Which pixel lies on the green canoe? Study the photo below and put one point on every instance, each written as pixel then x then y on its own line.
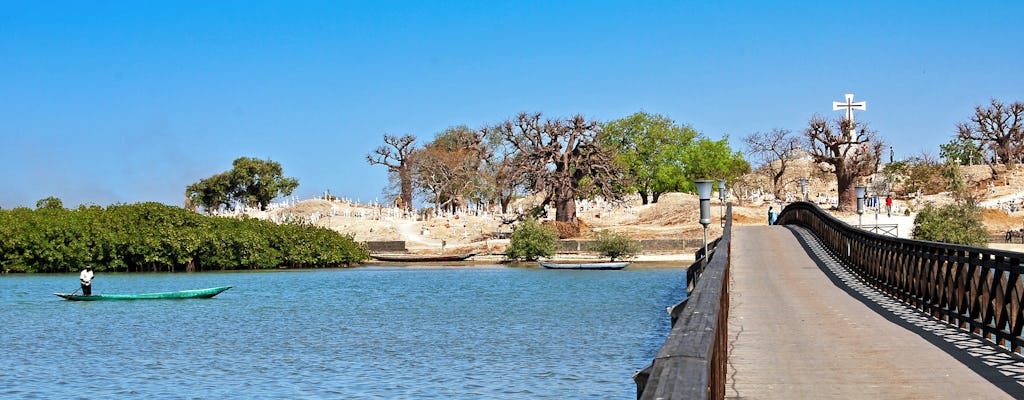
pixel 184 294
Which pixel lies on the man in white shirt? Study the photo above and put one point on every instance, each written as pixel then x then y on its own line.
pixel 86 278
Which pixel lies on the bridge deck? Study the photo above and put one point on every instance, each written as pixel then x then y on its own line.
pixel 798 330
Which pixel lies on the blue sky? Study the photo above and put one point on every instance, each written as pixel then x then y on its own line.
pixel 106 102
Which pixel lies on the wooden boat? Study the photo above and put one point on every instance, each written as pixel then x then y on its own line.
pixel 598 265
pixel 184 294
pixel 422 257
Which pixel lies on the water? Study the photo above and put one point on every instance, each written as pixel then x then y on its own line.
pixel 368 333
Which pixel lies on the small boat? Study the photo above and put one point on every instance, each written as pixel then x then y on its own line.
pixel 598 265
pixel 421 257
pixel 184 294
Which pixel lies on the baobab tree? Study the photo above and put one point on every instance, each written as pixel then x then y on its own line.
pixel 850 153
pixel 397 156
pixel 1000 127
pixel 558 156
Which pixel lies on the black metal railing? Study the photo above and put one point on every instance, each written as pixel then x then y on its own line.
pixel 975 289
pixel 692 362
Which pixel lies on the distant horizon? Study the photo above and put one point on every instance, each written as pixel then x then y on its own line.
pixel 126 102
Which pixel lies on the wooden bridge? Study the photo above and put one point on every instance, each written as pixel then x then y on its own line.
pixel 814 308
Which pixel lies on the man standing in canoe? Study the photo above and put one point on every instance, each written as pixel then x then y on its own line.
pixel 86 278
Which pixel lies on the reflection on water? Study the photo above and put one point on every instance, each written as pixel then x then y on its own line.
pixel 512 333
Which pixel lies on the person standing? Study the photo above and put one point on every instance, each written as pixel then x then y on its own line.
pixel 86 278
pixel 771 215
pixel 888 205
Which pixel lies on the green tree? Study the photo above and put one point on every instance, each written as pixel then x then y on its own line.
pixel 962 151
pixel 714 159
pixel 257 182
pixel 651 146
pixel 251 181
pixel 530 240
pixel 50 202
pixel 959 223
pixel 616 245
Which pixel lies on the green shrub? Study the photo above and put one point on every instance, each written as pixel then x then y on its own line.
pixel 531 240
pixel 158 237
pixel 958 223
pixel 616 245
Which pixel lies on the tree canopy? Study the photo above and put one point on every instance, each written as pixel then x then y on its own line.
pixel 251 182
pixel 396 155
pixel 846 147
pixel 652 148
pixel 998 126
pixel 774 149
pixel 561 158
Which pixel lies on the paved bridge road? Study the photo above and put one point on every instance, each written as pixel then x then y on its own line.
pixel 795 334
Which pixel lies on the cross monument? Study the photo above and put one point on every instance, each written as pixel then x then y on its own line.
pixel 849 105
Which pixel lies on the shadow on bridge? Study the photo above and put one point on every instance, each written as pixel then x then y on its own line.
pixel 964 301
pixel 998 366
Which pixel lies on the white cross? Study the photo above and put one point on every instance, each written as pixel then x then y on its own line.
pixel 849 105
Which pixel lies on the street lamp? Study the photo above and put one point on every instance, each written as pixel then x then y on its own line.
pixel 860 203
pixel 803 188
pixel 721 196
pixel 704 193
pixel 878 206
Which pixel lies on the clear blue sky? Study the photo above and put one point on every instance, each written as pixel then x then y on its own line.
pixel 106 102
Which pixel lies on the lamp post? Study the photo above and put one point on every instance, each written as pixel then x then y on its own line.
pixel 721 197
pixel 803 188
pixel 704 193
pixel 860 204
pixel 878 205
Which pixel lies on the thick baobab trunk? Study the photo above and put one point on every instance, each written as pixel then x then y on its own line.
pixel 565 210
pixel 846 181
pixel 405 176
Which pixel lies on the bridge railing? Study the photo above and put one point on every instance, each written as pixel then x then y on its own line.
pixel 692 362
pixel 975 289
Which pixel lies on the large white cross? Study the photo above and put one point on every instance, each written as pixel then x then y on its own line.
pixel 849 105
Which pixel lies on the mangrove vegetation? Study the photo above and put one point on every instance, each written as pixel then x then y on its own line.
pixel 157 237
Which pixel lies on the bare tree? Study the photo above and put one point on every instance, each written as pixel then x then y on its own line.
pixel 774 150
pixel 558 156
pixel 1000 127
pixel 503 182
pixel 849 152
pixel 448 168
pixel 396 155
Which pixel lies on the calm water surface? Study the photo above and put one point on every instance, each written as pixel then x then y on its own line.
pixel 367 333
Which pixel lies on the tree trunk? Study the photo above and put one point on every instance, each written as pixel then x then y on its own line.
pixel 565 210
pixel 504 201
pixel 405 176
pixel 657 195
pixel 643 197
pixel 846 181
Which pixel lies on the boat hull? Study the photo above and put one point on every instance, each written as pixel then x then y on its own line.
pixel 421 257
pixel 588 266
pixel 184 294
